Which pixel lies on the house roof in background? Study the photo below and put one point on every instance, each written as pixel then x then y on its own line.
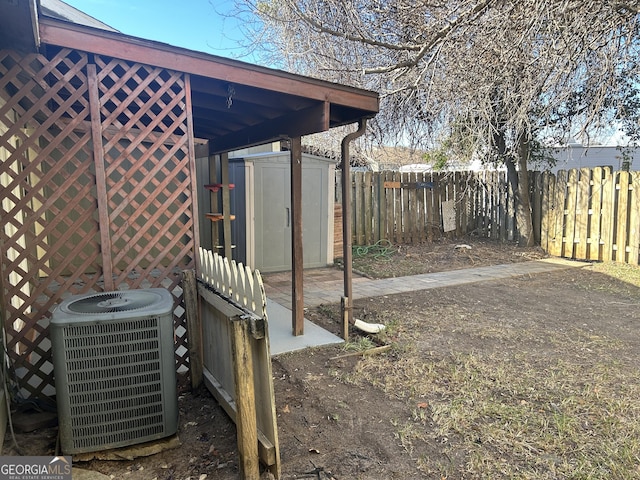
pixel 63 11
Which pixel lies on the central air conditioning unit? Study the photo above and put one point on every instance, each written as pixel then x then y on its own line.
pixel 115 371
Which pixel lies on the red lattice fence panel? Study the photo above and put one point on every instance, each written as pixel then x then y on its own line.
pixel 96 171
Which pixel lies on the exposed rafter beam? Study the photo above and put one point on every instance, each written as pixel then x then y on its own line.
pixel 304 122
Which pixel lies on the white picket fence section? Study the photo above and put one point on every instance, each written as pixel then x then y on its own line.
pixel 234 281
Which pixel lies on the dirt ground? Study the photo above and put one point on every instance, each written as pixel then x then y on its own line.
pixel 529 377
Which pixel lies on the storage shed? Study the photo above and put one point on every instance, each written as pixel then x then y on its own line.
pixel 261 208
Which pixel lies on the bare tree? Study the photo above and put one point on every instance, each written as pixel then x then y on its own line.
pixel 509 70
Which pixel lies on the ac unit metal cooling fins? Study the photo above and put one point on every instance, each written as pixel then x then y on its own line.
pixel 114 367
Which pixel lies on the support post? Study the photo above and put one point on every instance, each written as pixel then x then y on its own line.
pixel 297 295
pixel 344 301
pixel 214 205
pixel 226 204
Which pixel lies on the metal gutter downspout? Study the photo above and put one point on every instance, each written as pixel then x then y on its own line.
pixel 347 299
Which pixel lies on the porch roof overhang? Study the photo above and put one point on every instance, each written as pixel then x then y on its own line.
pixel 235 104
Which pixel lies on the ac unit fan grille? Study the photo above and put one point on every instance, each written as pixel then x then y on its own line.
pixel 150 380
pixel 112 302
pixel 112 363
pixel 87 399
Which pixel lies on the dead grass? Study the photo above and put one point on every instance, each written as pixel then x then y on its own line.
pixel 512 401
pixel 620 271
pixel 386 260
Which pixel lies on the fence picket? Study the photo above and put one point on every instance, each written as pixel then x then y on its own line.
pixel 375 208
pixel 622 217
pixel 459 202
pixel 536 204
pixel 412 203
pixel 367 192
pixel 548 187
pixel 570 214
pixel 358 208
pixel 634 220
pixel 390 205
pixel 582 213
pixel 397 208
pixel 501 202
pixel 434 207
pixel 234 281
pixel 595 208
pixel 608 195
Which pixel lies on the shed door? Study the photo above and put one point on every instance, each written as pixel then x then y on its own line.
pixel 273 217
pixel 273 214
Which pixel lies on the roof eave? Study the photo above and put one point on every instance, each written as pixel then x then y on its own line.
pixel 114 44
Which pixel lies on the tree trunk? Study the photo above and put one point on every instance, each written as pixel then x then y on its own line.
pixel 524 220
pixel 518 178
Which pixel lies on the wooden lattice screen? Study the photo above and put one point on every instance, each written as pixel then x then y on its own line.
pixel 79 219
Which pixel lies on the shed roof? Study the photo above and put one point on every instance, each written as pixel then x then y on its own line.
pixel 235 104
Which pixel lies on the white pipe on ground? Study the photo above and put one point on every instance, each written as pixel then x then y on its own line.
pixel 368 327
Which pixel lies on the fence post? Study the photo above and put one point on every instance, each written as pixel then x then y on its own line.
pixel 194 327
pixel 245 400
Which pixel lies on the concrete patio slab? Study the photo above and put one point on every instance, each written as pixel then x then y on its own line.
pixel 280 337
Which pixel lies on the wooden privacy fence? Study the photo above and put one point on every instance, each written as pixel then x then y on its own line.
pixel 587 214
pixel 590 214
pixel 235 357
pixel 409 208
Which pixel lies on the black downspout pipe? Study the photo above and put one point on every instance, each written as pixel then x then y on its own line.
pixel 347 300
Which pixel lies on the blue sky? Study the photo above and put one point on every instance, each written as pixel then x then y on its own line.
pixel 193 24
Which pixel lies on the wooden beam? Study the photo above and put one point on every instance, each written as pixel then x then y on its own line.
pixel 245 400
pixel 267 452
pixel 297 296
pixel 101 178
pixel 194 327
pixel 192 170
pixel 296 124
